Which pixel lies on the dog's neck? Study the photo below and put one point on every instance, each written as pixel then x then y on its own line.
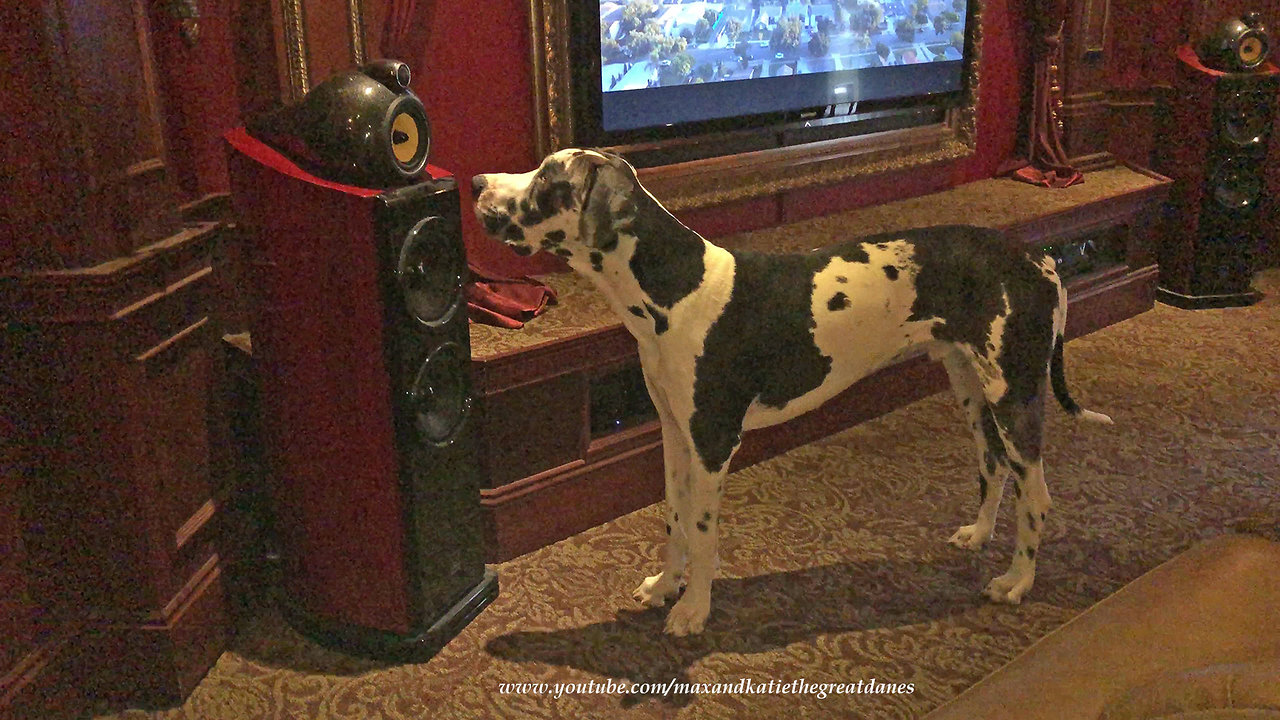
pixel 645 261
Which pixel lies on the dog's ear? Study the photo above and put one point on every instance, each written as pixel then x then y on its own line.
pixel 598 177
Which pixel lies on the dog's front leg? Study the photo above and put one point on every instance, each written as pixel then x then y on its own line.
pixel 656 589
pixel 700 520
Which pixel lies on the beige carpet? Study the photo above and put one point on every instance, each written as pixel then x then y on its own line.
pixel 834 562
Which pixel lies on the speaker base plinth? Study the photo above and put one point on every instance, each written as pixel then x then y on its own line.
pixel 1204 302
pixel 383 645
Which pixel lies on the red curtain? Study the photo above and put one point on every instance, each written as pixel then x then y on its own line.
pixel 404 32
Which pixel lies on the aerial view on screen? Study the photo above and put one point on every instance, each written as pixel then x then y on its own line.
pixel 662 43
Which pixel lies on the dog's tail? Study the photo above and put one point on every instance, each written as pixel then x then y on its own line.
pixel 1057 375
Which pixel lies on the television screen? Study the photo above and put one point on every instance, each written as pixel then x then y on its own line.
pixel 663 64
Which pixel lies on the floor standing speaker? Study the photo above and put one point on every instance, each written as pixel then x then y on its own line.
pixel 1214 141
pixel 360 335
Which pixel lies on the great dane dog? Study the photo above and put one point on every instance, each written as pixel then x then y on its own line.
pixel 730 341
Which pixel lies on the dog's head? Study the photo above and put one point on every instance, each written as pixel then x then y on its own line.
pixel 556 207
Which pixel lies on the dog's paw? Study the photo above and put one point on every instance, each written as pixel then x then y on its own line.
pixel 688 617
pixel 655 590
pixel 1009 588
pixel 970 537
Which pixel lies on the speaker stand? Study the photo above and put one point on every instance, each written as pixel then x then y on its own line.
pixel 383 645
pixel 1204 302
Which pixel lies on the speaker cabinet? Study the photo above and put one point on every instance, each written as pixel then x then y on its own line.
pixel 1215 133
pixel 361 339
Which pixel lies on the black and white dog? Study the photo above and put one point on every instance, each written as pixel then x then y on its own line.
pixel 731 341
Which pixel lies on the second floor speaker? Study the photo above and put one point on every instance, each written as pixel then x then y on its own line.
pixel 1214 141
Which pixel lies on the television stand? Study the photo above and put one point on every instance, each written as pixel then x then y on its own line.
pixel 566 436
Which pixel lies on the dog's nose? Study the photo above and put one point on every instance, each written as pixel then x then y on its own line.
pixel 477 184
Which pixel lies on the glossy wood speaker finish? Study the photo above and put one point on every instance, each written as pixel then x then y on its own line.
pixel 360 337
pixel 1216 131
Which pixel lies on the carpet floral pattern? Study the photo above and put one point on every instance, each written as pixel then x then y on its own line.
pixel 835 567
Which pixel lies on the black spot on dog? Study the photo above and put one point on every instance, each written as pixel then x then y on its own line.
pixel 852 252
pixel 891 272
pixel 608 242
pixel 882 246
pixel 493 224
pixel 668 528
pixel 522 250
pixel 636 311
pixel 842 279
pixel 660 323
pixel 760 349
pixel 555 236
pixel 966 402
pixel 1031 520
pixel 513 233
pixel 982 488
pixel 839 301
pixel 675 516
pixel 1041 517
pixel 702 525
pixel 706 516
pixel 667 261
pixel 597 261
pixel 1017 489
pixel 1031 553
pixel 511 206
pixel 565 253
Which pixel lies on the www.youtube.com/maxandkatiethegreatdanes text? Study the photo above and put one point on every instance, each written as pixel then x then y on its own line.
pixel 744 686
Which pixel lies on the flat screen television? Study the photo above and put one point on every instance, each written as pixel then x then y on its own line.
pixel 646 70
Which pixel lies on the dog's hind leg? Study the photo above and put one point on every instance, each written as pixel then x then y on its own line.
pixel 1021 426
pixel 656 589
pixel 993 464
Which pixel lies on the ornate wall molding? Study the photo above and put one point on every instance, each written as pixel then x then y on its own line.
pixel 355 26
pixel 295 48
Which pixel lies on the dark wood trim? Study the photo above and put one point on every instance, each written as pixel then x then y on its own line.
pixel 48 683
pixel 562 502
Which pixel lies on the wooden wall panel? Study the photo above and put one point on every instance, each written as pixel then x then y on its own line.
pixel 1084 82
pixel 199 94
pixel 82 135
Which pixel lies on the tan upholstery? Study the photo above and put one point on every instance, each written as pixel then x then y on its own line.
pixel 1146 652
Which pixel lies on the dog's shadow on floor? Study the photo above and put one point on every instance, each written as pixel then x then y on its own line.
pixel 752 615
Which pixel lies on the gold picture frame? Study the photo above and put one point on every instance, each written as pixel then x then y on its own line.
pixel 743 176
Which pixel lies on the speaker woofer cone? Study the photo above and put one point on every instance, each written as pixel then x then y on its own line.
pixel 1237 184
pixel 1246 118
pixel 439 397
pixel 430 273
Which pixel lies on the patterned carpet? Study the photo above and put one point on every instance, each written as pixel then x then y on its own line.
pixel 834 562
